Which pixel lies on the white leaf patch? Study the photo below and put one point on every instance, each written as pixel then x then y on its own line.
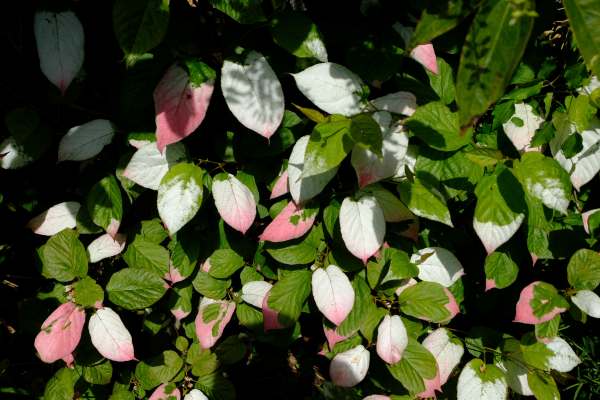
pixel 254 292
pixel 349 368
pixel 439 265
pixel 588 302
pixel 472 386
pixel 521 136
pixel 493 235
pixel 564 358
pixel 12 156
pixel 148 166
pixel 333 293
pixel 363 226
pixel 447 352
pixel 59 38
pixel 551 192
pixel 392 339
pixel 55 219
pixel 305 188
pixel 253 94
pixel 195 394
pixel 516 376
pixel 85 141
pixel 234 201
pixel 105 246
pixel 404 103
pixel 331 87
pixel 109 335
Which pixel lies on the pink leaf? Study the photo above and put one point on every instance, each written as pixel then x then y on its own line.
pixel 425 55
pixel 209 331
pixel 281 186
pixel 452 305
pixel 431 386
pixel 291 223
pixel 159 393
pixel 490 284
pixel 332 336
pixel 179 314
pixel 270 316
pixel 179 106
pixel 60 333
pixel 585 218
pixel 524 309
pixel 173 275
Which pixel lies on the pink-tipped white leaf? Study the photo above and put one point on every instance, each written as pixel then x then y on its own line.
pixel 588 302
pixel 392 339
pixel 195 394
pixel 482 382
pixel 431 386
pixel 303 188
pixel 521 127
pixel 585 217
pixel 369 166
pixel 148 165
pixel 55 219
pixel 213 316
pixel 60 333
pixel 446 350
pixel 525 307
pixel 424 54
pixel 333 293
pixel 493 235
pixel 291 223
pixel 281 186
pixel 255 292
pixel 349 368
pixel 564 358
pixel 404 103
pixel 452 305
pixel 253 94
pixel 437 264
pixel 234 201
pixel 59 38
pixel 180 106
pixel 109 336
pixel 363 226
pixel 85 141
pixel 270 316
pixel 160 393
pixel 105 246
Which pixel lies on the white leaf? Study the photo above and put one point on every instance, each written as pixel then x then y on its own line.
pixel 148 166
pixel 392 339
pixel 398 103
pixel 472 386
pixel 349 368
pixel 302 188
pixel 521 136
pixel 363 226
pixel 564 358
pixel 516 376
pixel 588 302
pixel 85 141
pixel 254 292
pixel 331 87
pixel 59 38
pixel 105 246
pixel 253 94
pixel 12 156
pixel 333 293
pixel 234 201
pixel 317 48
pixel 55 219
pixel 590 87
pixel 109 335
pixel 437 264
pixel 195 394
pixel 493 235
pixel 447 352
pixel 368 166
pixel 585 217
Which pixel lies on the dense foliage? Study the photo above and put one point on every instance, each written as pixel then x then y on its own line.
pixel 300 199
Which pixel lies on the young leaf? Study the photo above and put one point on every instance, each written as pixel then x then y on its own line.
pixel 392 339
pixel 105 205
pixel 424 54
pixel 253 94
pixel 332 293
pixel 55 219
pixel 60 333
pixel 521 134
pixel 439 265
pixel 148 165
pixel 539 302
pixel 106 246
pixel 481 381
pixel 234 201
pixel 109 335
pixel 59 39
pixel 255 292
pixel 213 316
pixel 291 223
pixel 85 141
pixel 349 368
pixel 363 226
pixel 447 351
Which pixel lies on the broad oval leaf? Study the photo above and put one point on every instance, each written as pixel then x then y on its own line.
pixel 234 201
pixel 521 127
pixel 180 103
pixel 363 226
pixel 213 316
pixel 179 195
pixel 564 358
pixel 392 339
pixel 333 293
pixel 106 246
pixel 350 367
pixel 255 292
pixel 481 381
pixel 55 219
pixel 85 141
pixel 135 288
pixel 253 94
pixel 109 336
pixel 59 38
pixel 439 265
pixel 148 165
pixel 331 87
pixel 539 302
pixel 447 351
pixel 60 333
pixel 588 302
pixel 291 223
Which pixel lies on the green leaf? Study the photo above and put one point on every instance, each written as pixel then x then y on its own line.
pixel 299 251
pixel 546 299
pixel 583 271
pixel 416 365
pixel 373 316
pixel 87 293
pixel 61 386
pixel 149 256
pixel 437 20
pixel 442 83
pixel 104 203
pixel 134 288
pixel 224 262
pixel 399 266
pixel 243 11
pixel 25 126
pixel 199 72
pixel 98 373
pixel 153 231
pixel 423 202
pixel 362 303
pixel 500 269
pixel 483 157
pixel 538 229
pixel 249 317
pixel 140 25
pixel 580 111
pixel 366 133
pixel 289 294
pixel 296 33
pixel 492 50
pixel 231 350
pixel 329 143
pixel 185 252
pixel 159 369
pixel 543 386
pixel 216 386
pixel 584 20
pixel 211 287
pixel 64 257
pixel 437 126
pixel 548 329
pixel 425 300
pixel 203 361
